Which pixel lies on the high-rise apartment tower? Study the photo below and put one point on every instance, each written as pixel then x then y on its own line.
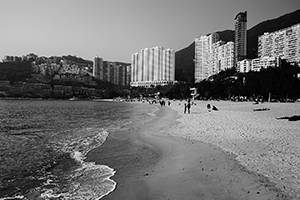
pixel 153 66
pixel 240 36
pixel 203 55
pixel 97 67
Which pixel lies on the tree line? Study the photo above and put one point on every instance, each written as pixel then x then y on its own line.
pixel 270 84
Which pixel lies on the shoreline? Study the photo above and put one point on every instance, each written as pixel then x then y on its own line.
pixel 172 167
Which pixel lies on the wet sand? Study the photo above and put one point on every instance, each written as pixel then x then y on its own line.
pixel 161 159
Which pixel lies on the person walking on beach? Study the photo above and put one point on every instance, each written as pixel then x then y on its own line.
pixel 188 105
pixel 185 107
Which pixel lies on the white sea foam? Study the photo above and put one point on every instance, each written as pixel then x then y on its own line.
pixel 89 181
pixel 78 156
pixel 13 198
pixel 93 138
pixel 72 129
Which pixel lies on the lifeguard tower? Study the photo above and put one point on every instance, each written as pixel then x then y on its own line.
pixel 194 93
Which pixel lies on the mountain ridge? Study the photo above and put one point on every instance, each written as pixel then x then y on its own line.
pixel 184 58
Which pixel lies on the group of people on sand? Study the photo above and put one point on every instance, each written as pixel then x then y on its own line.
pixel 163 103
pixel 188 105
pixel 209 108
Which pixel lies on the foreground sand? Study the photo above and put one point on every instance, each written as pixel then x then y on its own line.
pixel 167 158
pixel 262 143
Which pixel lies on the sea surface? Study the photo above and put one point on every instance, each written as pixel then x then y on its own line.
pixel 43 144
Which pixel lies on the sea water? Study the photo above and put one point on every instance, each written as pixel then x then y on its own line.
pixel 43 145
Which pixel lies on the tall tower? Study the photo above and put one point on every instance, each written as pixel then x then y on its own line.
pixel 240 34
pixel 98 67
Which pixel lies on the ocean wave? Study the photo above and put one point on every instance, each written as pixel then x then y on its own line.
pixel 84 180
pixel 82 140
pixel 89 180
pixel 44 144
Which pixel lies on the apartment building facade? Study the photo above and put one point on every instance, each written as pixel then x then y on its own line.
pixel 114 72
pixel 203 56
pixel 223 56
pixel 257 64
pixel 98 67
pixel 152 67
pixel 244 66
pixel 212 56
pixel 284 43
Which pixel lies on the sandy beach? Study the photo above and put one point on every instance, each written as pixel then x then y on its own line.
pixel 262 142
pixel 230 154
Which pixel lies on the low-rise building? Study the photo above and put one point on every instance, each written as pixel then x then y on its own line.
pixel 258 63
pixel 244 66
pixel 148 84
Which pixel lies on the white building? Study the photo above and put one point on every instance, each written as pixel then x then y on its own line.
pixel 244 66
pixel 152 66
pixel 284 43
pixel 258 63
pixel 212 56
pixel 224 56
pixel 203 56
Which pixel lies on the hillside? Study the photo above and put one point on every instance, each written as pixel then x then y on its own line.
pixel 15 71
pixel 184 64
pixel 76 59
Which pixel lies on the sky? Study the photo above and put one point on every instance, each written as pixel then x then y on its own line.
pixel 115 29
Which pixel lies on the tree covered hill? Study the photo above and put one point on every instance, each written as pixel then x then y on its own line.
pixel 15 71
pixel 76 59
pixel 184 64
pixel 184 58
